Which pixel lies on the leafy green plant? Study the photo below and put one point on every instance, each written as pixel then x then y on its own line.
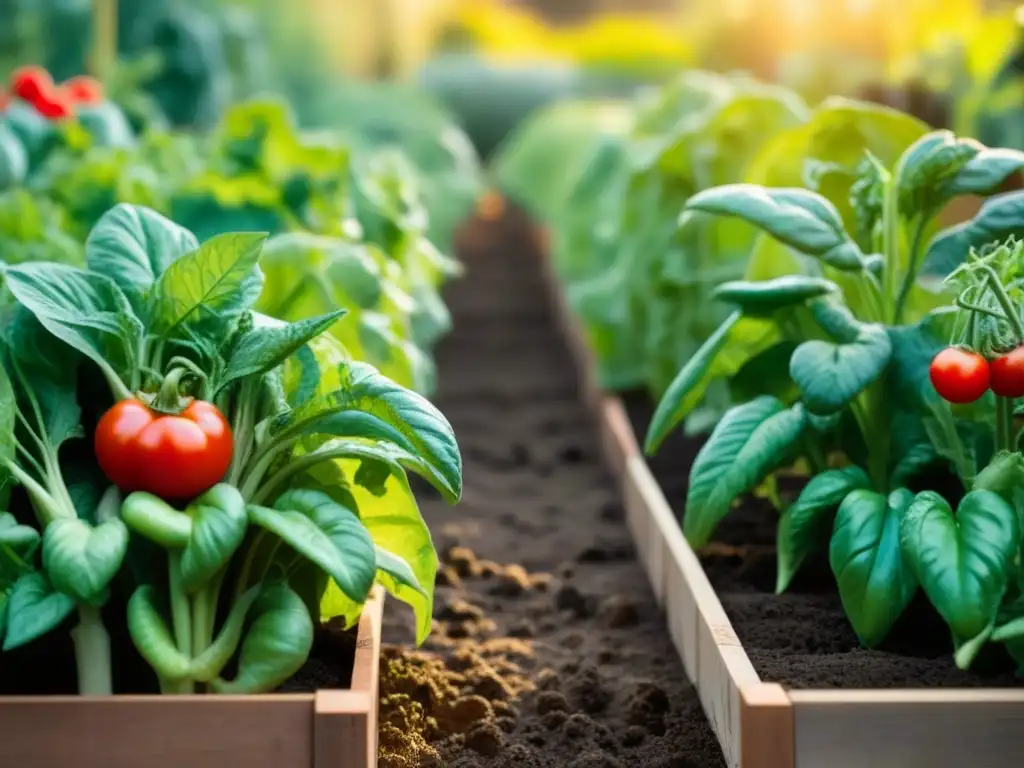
pixel 314 509
pixel 852 320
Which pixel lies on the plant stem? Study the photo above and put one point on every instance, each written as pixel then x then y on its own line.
pixel 92 653
pixel 996 286
pixel 1004 424
pixel 909 278
pixel 181 612
pixel 168 399
pixel 890 237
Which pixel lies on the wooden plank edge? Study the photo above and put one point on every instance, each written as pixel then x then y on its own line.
pixel 906 696
pixel 767 730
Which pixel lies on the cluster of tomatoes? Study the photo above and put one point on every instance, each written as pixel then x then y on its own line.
pixel 34 86
pixel 962 376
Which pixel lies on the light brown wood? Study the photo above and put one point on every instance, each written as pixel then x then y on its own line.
pixel 908 729
pixel 766 727
pixel 329 729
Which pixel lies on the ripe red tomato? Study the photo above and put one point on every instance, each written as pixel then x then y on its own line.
pixel 959 375
pixel 30 82
pixel 1007 373
pixel 53 105
pixel 174 457
pixel 83 89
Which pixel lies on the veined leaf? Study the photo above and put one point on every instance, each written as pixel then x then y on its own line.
pixel 219 524
pixel 830 375
pixel 750 441
pixel 134 245
pixel 34 608
pixel 875 583
pixel 1000 217
pixel 81 560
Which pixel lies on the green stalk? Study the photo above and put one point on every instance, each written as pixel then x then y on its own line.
pixel 1004 424
pixel 908 279
pixel 890 237
pixel 181 613
pixel 92 653
pixel 1012 316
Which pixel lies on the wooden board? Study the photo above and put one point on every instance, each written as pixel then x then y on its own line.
pixel 329 729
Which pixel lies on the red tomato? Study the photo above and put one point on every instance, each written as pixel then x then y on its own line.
pixel 54 105
pixel 174 457
pixel 30 82
pixel 1007 374
pixel 83 89
pixel 959 375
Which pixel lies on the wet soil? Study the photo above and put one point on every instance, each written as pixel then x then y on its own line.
pixel 802 638
pixel 548 648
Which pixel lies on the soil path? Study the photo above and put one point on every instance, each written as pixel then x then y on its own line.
pixel 549 650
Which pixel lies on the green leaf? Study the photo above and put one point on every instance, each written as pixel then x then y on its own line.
pixel 398 570
pixel 768 296
pixel 875 583
pixel 8 413
pixel 219 523
pixel 676 403
pixel 16 539
pixel 152 637
pixel 425 428
pixel 984 173
pixel 803 220
pixel 395 524
pixel 218 281
pixel 86 311
pixel 277 644
pixel 805 525
pixel 267 347
pixel 325 532
pixel 964 561
pixel 1000 217
pixel 830 375
pixel 157 520
pixel 750 441
pixel 927 166
pixel 134 245
pixel 81 560
pixel 33 609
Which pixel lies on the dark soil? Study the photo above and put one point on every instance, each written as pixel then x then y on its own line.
pixel 548 649
pixel 802 638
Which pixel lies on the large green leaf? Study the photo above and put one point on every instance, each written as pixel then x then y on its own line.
pixel 134 245
pixel 17 543
pixel 801 219
pixel 1000 217
pixel 218 281
pixel 81 560
pixel 750 441
pixel 424 427
pixel 34 608
pixel 963 561
pixel 326 533
pixel 277 643
pixel 875 581
pixel 805 524
pixel 83 309
pixel 830 375
pixel 768 296
pixel 396 526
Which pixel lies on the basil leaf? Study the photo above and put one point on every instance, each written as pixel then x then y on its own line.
pixel 750 441
pixel 830 375
pixel 216 282
pixel 875 583
pixel 219 523
pixel 266 347
pixel 277 644
pixel 152 637
pixel 33 609
pixel 963 561
pixel 803 220
pixel 766 297
pixel 1000 217
pixel 133 246
pixel 81 560
pixel 805 523
pixel 325 532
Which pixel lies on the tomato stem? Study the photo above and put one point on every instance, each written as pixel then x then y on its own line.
pixel 168 398
pixel 92 653
pixel 181 612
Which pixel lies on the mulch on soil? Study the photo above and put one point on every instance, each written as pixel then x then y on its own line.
pixel 548 649
pixel 802 637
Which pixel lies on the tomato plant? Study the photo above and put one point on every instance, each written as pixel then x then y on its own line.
pixel 1007 374
pixel 959 375
pixel 83 89
pixel 29 83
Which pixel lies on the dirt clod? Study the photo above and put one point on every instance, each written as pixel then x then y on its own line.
pixel 513 582
pixel 569 598
pixel 485 738
pixel 618 611
pixel 590 691
pixel 551 701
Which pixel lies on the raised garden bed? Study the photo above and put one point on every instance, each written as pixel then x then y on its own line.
pixel 325 729
pixel 772 709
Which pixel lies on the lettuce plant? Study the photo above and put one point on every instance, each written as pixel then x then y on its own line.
pixel 314 510
pixel 854 321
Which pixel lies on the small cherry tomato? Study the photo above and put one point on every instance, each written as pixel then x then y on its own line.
pixel 30 82
pixel 1007 373
pixel 54 105
pixel 174 457
pixel 959 375
pixel 83 89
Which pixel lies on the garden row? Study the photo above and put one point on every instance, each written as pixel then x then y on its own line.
pixel 215 354
pixel 826 377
